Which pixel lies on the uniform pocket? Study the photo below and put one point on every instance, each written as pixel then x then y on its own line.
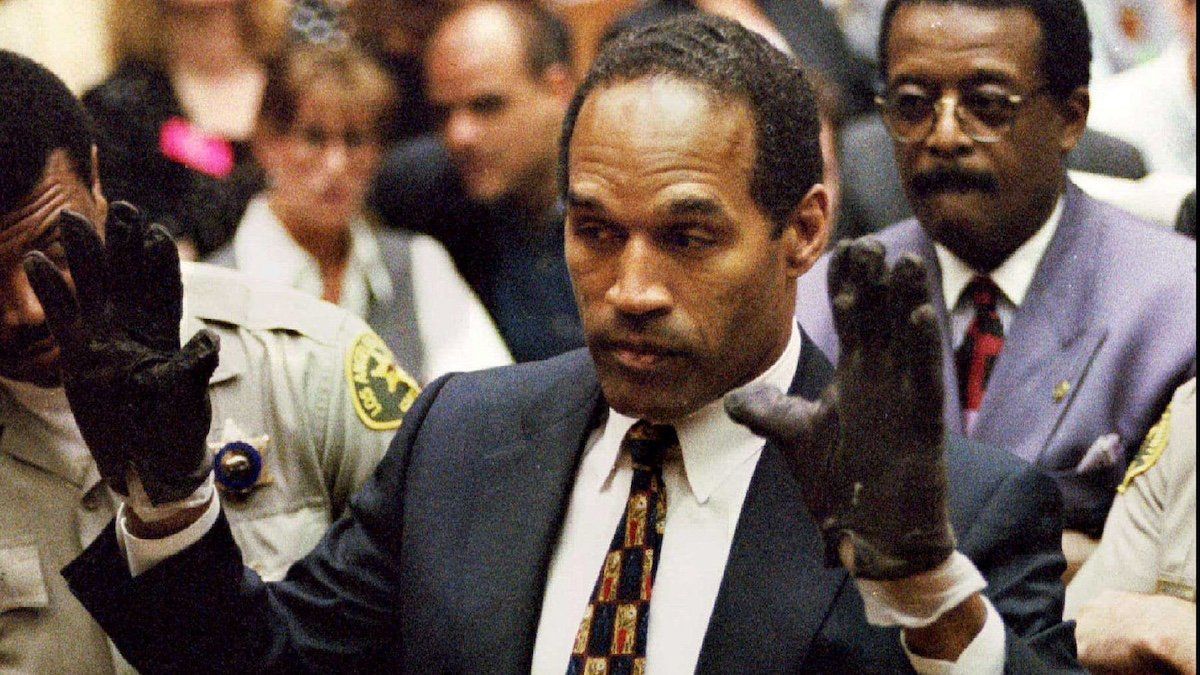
pixel 22 585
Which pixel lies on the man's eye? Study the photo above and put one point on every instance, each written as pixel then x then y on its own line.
pixel 487 105
pixel 690 239
pixel 596 231
pixel 313 136
pixel 912 105
pixel 990 106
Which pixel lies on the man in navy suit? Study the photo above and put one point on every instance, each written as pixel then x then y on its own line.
pixel 1066 323
pixel 857 539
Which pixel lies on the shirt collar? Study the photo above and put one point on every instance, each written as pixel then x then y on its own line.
pixel 263 248
pixel 713 445
pixel 1013 276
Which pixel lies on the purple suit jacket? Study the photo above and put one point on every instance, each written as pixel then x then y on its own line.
pixel 1111 312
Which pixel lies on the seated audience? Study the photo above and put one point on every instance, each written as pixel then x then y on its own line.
pixel 498 73
pixel 1134 601
pixel 175 117
pixel 319 140
pixel 1066 322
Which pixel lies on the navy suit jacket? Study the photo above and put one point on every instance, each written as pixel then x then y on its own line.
pixel 441 563
pixel 1111 312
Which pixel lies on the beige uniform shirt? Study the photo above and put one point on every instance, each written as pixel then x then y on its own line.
pixel 1149 541
pixel 304 382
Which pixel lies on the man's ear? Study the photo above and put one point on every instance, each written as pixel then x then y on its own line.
pixel 806 233
pixel 1075 114
pixel 559 81
pixel 97 192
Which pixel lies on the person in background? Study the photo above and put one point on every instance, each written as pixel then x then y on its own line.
pixel 1066 323
pixel 395 32
pixel 1153 105
pixel 304 402
pixel 174 119
pixel 498 73
pixel 319 140
pixel 1134 601
pixel 805 28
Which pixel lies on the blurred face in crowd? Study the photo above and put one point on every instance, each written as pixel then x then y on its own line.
pixel 500 122
pixel 320 167
pixel 28 353
pixel 981 200
pixel 685 287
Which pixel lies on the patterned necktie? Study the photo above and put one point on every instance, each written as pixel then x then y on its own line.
pixel 612 636
pixel 980 349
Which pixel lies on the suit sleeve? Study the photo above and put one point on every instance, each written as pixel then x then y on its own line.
pixel 203 611
pixel 1017 544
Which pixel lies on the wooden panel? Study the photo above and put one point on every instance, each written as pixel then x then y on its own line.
pixel 589 19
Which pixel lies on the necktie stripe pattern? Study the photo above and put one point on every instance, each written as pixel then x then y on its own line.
pixel 977 356
pixel 612 635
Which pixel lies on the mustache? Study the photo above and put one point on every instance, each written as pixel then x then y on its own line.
pixel 954 180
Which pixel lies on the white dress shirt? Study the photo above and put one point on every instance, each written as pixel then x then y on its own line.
pixel 1013 278
pixel 706 486
pixel 456 330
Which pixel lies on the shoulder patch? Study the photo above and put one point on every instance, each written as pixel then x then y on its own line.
pixel 380 390
pixel 1151 450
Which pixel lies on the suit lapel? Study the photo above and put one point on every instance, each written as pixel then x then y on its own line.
pixel 1051 342
pixel 524 489
pixel 776 593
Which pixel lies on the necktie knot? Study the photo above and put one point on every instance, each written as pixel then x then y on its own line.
pixel 648 443
pixel 983 293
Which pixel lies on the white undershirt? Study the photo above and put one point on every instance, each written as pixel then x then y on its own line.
pixel 1013 277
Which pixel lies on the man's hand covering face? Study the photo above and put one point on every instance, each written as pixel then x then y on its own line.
pixel 869 455
pixel 140 401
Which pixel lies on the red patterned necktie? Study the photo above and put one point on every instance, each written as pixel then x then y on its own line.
pixel 612 636
pixel 980 349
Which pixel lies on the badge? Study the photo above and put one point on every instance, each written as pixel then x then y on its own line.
pixel 239 466
pixel 1152 449
pixel 380 390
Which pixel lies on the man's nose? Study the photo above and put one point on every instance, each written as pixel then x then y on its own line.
pixel 639 288
pixel 19 305
pixel 461 131
pixel 336 156
pixel 947 138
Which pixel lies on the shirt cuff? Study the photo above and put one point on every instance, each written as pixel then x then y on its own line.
pixel 143 554
pixel 985 654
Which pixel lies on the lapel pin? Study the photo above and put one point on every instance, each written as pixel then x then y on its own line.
pixel 1061 391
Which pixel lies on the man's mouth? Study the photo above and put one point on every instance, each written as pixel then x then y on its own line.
pixel 640 356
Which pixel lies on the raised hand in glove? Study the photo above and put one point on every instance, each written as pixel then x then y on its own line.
pixel 869 455
pixel 141 402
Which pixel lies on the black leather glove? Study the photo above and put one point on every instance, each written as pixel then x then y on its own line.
pixel 869 456
pixel 139 400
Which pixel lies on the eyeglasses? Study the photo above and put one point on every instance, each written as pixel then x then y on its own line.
pixel 984 112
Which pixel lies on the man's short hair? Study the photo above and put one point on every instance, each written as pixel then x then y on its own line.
pixel 1066 43
pixel 545 38
pixel 38 115
pixel 732 64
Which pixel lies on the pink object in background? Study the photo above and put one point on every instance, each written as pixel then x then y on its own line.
pixel 183 142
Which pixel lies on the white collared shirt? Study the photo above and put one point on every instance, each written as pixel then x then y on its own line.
pixel 706 487
pixel 1013 277
pixel 264 249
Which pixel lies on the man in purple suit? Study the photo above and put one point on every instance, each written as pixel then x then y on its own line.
pixel 1066 323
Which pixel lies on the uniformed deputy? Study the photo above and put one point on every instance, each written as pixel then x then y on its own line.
pixel 305 398
pixel 1135 598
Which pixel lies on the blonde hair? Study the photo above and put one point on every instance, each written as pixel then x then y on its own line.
pixel 137 32
pixel 304 69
